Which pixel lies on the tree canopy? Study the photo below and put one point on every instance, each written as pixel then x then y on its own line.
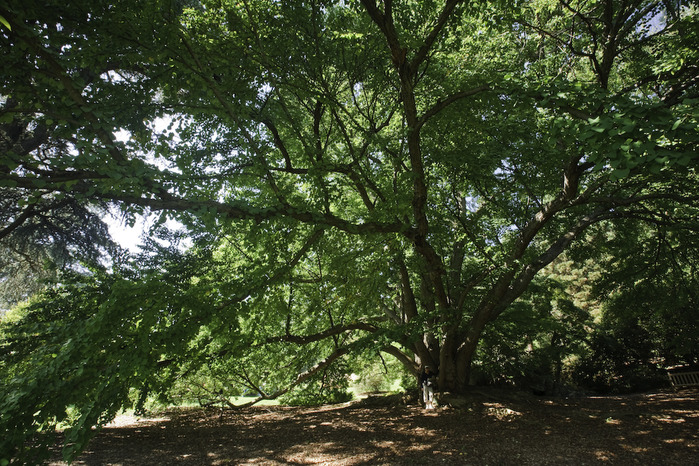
pixel 389 177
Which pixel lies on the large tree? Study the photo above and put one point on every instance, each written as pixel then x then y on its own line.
pixel 357 174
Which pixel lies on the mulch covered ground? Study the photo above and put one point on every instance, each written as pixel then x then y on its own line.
pixel 486 428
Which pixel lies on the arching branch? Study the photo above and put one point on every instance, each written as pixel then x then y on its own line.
pixel 302 377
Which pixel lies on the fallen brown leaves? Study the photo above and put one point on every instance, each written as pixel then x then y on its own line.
pixel 487 427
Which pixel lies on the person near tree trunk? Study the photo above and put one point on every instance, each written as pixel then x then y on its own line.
pixel 428 381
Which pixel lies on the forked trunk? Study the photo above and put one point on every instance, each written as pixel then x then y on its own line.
pixel 456 356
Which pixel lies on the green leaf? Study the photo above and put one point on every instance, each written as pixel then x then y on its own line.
pixel 5 23
pixel 684 160
pixel 292 108
pixel 621 173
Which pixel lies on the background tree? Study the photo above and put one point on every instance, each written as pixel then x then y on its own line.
pixel 356 176
pixel 41 231
pixel 649 305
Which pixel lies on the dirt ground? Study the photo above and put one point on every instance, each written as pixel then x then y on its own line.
pixel 486 428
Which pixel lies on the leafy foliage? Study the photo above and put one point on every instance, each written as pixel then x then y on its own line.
pixel 649 318
pixel 357 177
pixel 84 343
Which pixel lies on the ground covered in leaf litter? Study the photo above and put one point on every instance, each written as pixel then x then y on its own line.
pixel 487 427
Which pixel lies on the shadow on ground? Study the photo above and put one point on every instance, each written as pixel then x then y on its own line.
pixel 494 427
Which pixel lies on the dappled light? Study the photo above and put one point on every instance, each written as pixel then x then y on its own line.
pixel 501 412
pixel 343 197
pixel 494 427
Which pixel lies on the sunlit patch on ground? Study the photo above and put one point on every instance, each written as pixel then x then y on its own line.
pixel 602 455
pixel 498 427
pixel 123 420
pixel 501 412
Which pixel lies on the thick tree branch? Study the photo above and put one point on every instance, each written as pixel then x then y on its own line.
pixel 26 214
pixel 442 104
pixel 424 50
pixel 331 332
pixel 407 361
pixel 406 74
pixel 233 210
pixel 302 377
pixel 520 284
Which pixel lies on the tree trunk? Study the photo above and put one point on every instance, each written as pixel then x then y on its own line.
pixel 457 353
